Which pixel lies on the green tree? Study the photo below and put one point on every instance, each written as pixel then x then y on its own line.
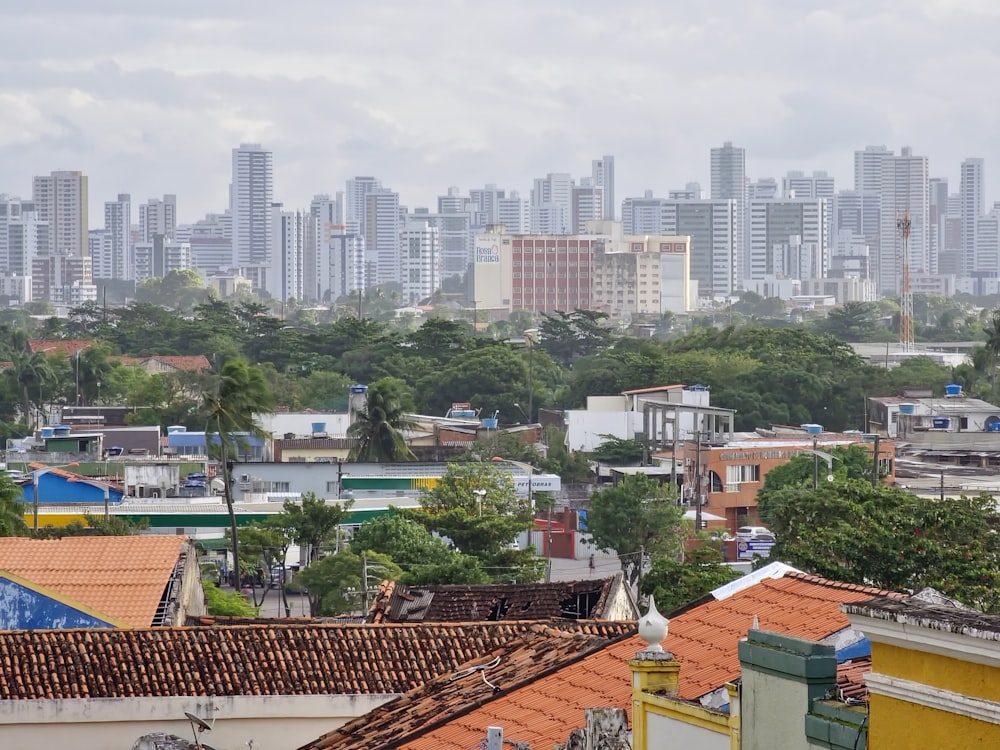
pixel 337 584
pixel 992 330
pixel 11 508
pixel 674 584
pixel 267 544
pixel 852 321
pixel 476 508
pixel 618 451
pixel 239 392
pixel 637 516
pixel 567 336
pixel 379 426
pixel 178 290
pixel 312 523
pixel 226 603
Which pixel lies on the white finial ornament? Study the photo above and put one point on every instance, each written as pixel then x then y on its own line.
pixel 653 628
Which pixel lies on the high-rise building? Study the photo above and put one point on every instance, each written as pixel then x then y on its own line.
pixel 788 238
pixel 341 269
pixel 602 172
pixel 63 279
pixel 158 216
pixel 713 228
pixel 642 275
pixel 513 214
pixel 486 205
pixel 987 255
pixel 453 223
pixel 904 190
pixel 61 200
pixel 729 182
pixel 160 256
pixel 324 212
pixel 251 196
pixel 23 236
pixel 421 262
pixel 284 277
pixel 938 208
pixel 764 189
pixel 356 201
pixel 973 207
pixel 644 215
pixel 800 185
pixel 552 204
pixel 587 205
pixel 381 233
pixel 116 262
pixel 211 243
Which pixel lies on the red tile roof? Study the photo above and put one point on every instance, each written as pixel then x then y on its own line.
pixel 122 577
pixel 515 671
pixel 851 687
pixel 195 363
pixel 273 659
pixel 62 347
pixel 704 639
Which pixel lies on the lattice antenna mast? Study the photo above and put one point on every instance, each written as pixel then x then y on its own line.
pixel 905 295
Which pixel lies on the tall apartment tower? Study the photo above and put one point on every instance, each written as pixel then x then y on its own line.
pixel 552 204
pixel 789 238
pixel 645 215
pixel 602 172
pixel 973 206
pixel 251 196
pixel 382 226
pixel 115 261
pixel 356 200
pixel 938 207
pixel 587 204
pixel 486 205
pixel 23 236
pixel 729 182
pixel 513 213
pixel 801 185
pixel 712 227
pixel 158 216
pixel 904 190
pixel 421 260
pixel 284 277
pixel 61 200
pixel 325 214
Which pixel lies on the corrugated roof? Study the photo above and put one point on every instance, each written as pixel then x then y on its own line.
pixel 273 659
pixel 123 577
pixel 654 389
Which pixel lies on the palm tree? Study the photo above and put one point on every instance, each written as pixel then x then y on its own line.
pixel 11 511
pixel 992 329
pixel 239 392
pixel 378 427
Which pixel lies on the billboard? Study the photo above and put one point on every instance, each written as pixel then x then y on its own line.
pixel 487 252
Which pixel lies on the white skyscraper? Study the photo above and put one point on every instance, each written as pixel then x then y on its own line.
pixel 158 217
pixel 587 204
pixel 284 277
pixel 904 190
pixel 712 227
pixel 356 200
pixel 117 263
pixel 801 185
pixel 552 204
pixel 603 175
pixel 973 207
pixel 513 213
pixel 453 222
pixel 644 215
pixel 341 263
pixel 325 213
pixel 61 200
pixel 987 255
pixel 382 231
pixel 421 261
pixel 23 236
pixel 250 205
pixel 729 182
pixel 788 238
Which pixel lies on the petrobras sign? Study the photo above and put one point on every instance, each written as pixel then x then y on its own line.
pixel 487 252
pixel 539 483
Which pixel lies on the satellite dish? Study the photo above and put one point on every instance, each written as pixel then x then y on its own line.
pixel 203 726
pixel 829 477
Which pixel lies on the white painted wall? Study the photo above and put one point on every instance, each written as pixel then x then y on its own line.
pixel 116 723
pixel 773 710
pixel 301 423
pixel 663 733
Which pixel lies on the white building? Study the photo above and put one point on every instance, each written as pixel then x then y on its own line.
pixel 973 207
pixel 421 261
pixel 284 276
pixel 602 172
pixel 158 216
pixel 381 230
pixel 160 257
pixel 356 200
pixel 644 215
pixel 17 289
pixel 764 189
pixel 729 182
pixel 642 275
pixel 211 243
pixel 513 214
pixel 99 246
pixel 324 212
pixel 251 196
pixel 844 289
pixel 116 263
pixel 713 228
pixel 552 204
pixel 23 236
pixel 800 185
pixel 987 247
pixel 61 199
pixel 788 238
pixel 341 263
pixel 904 190
pixel 856 219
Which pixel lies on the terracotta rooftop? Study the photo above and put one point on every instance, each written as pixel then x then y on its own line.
pixel 574 600
pixel 253 659
pixel 542 711
pixel 851 687
pixel 490 679
pixel 195 363
pixel 62 347
pixel 123 577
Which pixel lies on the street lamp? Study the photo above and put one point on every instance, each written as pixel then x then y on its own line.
pixel 36 475
pixel 480 494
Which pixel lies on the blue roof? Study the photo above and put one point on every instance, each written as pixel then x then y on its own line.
pixel 197 439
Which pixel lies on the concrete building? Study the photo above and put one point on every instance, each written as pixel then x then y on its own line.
pixel 602 172
pixel 552 204
pixel 158 216
pixel 764 189
pixel 381 230
pixel 904 190
pixel 514 214
pixel 117 262
pixel 643 215
pixel 324 212
pixel 63 280
pixel 541 273
pixel 16 289
pixel 250 199
pixel 61 200
pixel 284 275
pixel 850 288
pixel 160 257
pixel 643 275
pixel 356 201
pixel 856 220
pixel 341 263
pixel 714 229
pixel 800 185
pixel 936 422
pixel 421 262
pixel 587 205
pixel 788 238
pixel 937 192
pixel 973 207
pixel 987 244
pixel 23 236
pixel 729 182
pixel 211 243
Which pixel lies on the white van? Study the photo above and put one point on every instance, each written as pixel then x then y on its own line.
pixel 754 532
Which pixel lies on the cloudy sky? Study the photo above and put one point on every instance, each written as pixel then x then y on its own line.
pixel 150 98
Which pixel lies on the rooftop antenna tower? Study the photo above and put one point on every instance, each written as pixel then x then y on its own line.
pixel 905 295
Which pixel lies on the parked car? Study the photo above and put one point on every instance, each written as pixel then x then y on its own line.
pixel 755 533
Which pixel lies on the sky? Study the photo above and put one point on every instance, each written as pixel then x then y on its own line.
pixel 150 98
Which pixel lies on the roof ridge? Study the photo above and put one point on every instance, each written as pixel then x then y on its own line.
pixel 830 583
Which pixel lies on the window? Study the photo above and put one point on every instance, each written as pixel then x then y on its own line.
pixel 332 486
pixel 742 474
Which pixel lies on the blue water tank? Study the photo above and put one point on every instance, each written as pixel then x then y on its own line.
pixel 953 389
pixel 462 413
pixel 359 389
pixel 941 423
pixel 48 432
pixel 812 429
pixel 697 387
pixel 907 408
pixel 318 427
pixel 62 430
pixel 489 423
pixel 992 427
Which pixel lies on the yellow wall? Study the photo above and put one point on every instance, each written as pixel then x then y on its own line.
pixel 901 725
pixel 967 678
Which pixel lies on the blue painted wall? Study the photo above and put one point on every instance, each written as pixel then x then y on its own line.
pixel 53 488
pixel 23 608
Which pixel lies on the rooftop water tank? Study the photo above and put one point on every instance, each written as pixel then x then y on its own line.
pixel 907 408
pixel 697 387
pixel 941 423
pixel 953 389
pixel 318 427
pixel 176 428
pixel 489 423
pixel 812 429
pixel 462 414
pixel 62 430
pixel 359 388
pixel 48 432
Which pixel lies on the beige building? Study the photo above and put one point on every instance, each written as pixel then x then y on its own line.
pixel 61 199
pixel 643 275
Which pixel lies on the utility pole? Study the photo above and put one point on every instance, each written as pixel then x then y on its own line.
pixel 364 583
pixel 815 465
pixel 875 472
pixel 697 493
pixel 903 224
pixel 942 485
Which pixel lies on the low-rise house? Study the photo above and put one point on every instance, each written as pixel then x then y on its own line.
pixel 118 581
pixel 600 599
pixel 280 685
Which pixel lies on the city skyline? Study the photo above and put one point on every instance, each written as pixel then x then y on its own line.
pixel 155 98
